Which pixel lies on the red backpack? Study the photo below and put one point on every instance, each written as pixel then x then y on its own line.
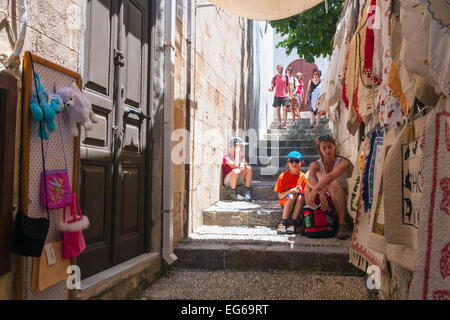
pixel 318 223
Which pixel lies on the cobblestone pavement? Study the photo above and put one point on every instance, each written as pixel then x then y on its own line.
pixel 254 285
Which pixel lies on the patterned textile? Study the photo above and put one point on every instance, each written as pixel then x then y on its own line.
pixel 377 241
pixel 354 184
pixel 440 11
pixel 369 43
pixel 390 109
pixel 352 67
pixel 402 188
pixel 361 256
pixel 332 85
pixel 415 22
pixel 439 54
pixel 431 279
pixel 372 169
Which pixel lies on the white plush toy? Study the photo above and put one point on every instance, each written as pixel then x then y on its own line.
pixel 78 108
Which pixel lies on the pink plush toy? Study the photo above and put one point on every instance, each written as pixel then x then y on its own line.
pixel 78 108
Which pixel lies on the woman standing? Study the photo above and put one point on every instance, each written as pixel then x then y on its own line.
pixel 312 85
pixel 299 95
pixel 329 175
pixel 293 85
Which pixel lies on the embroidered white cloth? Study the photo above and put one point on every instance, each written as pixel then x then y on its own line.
pixel 439 53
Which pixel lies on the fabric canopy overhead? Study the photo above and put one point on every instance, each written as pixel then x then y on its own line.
pixel 265 9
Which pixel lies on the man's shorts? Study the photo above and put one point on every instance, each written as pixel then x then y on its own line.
pixel 281 101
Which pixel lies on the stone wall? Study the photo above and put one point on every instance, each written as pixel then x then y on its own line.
pixel 179 181
pixel 219 109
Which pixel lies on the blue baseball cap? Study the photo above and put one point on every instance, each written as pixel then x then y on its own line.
pixel 295 155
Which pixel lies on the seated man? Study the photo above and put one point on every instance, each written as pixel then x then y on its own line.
pixel 290 187
pixel 235 170
pixel 329 175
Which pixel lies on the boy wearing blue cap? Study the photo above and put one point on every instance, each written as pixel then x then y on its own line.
pixel 291 187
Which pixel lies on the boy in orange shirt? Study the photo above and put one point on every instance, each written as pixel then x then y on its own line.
pixel 291 187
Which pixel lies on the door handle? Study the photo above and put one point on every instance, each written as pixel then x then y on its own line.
pixel 119 58
pixel 140 114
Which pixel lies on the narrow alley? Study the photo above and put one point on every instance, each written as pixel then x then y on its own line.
pixel 224 150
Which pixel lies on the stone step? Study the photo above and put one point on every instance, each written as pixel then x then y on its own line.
pixel 271 173
pixel 283 151
pixel 286 135
pixel 261 190
pixel 242 213
pixel 300 132
pixel 288 143
pixel 274 161
pixel 302 123
pixel 261 248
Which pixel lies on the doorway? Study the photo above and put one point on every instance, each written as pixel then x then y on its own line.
pixel 113 184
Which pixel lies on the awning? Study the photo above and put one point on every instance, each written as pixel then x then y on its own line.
pixel 265 9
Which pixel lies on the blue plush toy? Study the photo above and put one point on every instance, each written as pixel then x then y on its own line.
pixel 44 112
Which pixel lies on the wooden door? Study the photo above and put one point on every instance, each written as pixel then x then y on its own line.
pixel 112 164
pixel 130 180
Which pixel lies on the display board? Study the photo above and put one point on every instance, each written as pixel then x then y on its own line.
pixel 31 167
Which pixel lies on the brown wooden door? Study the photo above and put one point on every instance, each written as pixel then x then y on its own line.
pixel 112 188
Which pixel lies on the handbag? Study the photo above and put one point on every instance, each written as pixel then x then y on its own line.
pixel 29 234
pixel 73 239
pixel 59 193
pixel 50 268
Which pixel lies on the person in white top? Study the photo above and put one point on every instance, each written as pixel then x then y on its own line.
pixel 329 175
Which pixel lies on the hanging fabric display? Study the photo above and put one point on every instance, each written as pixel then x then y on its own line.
pixel 333 87
pixel 415 22
pixel 431 280
pixel 390 109
pixel 401 81
pixel 361 256
pixel 439 54
pixel 354 184
pixel 377 241
pixel 369 43
pixel 402 187
pixel 372 169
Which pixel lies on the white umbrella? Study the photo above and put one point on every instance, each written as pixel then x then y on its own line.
pixel 265 9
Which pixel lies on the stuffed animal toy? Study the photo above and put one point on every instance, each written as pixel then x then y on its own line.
pixel 43 112
pixel 78 108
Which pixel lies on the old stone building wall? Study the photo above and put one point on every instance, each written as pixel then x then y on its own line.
pixel 219 109
pixel 179 181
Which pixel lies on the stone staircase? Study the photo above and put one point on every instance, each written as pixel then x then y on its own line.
pixel 242 235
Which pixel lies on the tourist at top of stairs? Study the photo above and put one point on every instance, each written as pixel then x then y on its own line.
pixel 290 187
pixel 236 171
pixel 329 175
pixel 299 101
pixel 312 94
pixel 282 93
